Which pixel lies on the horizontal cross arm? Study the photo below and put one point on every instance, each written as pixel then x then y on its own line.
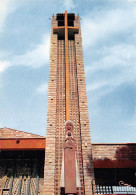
pixel 72 27
pixel 59 27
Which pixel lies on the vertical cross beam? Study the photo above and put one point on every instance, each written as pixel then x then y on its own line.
pixel 67 69
pixel 58 30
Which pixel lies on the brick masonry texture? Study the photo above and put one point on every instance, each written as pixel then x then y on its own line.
pixel 56 114
pixel 121 152
pixel 88 171
pixel 49 170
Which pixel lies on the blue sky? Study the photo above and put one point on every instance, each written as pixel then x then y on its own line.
pixel 109 47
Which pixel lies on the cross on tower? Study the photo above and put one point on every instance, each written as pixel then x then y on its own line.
pixel 66 30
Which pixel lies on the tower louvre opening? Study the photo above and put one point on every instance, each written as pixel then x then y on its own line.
pixel 71 18
pixel 60 19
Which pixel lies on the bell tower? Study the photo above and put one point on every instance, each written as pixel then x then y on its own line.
pixel 68 156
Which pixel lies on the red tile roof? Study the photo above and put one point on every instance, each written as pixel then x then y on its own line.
pixel 13 133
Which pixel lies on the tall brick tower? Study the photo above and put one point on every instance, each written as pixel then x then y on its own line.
pixel 67 105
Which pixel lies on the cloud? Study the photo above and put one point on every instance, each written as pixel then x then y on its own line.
pixel 4 65
pixel 34 58
pixel 109 44
pixel 117 66
pixel 96 28
pixel 42 89
pixel 69 4
pixel 116 56
pixel 6 8
pixel 96 86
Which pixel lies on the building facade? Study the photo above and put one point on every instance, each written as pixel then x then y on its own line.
pixel 22 157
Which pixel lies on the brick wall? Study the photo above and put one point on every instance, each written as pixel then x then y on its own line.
pixel 114 155
pixel 114 151
pixel 49 169
pixel 88 171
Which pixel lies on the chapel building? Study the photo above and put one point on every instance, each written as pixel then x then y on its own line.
pixel 65 161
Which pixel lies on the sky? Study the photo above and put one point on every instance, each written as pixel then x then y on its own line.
pixel 108 35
